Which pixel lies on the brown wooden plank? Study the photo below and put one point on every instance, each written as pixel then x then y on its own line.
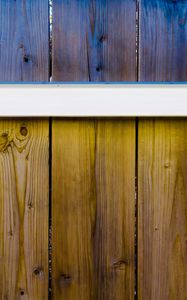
pixel 162 217
pixel 163 40
pixel 24 209
pixel 115 217
pixel 24 42
pixel 94 40
pixel 93 170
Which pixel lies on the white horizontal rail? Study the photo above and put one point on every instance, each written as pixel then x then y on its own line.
pixel 93 100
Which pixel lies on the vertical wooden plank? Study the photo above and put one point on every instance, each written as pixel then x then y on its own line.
pixel 73 209
pixel 24 40
pixel 24 56
pixel 162 170
pixel 162 236
pixel 115 209
pixel 24 209
pixel 94 40
pixel 93 209
pixel 93 161
pixel 163 40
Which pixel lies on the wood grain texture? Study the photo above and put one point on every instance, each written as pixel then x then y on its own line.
pixel 93 180
pixel 24 40
pixel 24 209
pixel 163 40
pixel 93 209
pixel 94 40
pixel 162 217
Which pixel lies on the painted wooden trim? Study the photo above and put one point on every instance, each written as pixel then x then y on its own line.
pixel 93 100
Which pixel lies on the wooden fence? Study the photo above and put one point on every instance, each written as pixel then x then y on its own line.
pixel 109 195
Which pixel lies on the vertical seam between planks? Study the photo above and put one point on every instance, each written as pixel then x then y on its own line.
pixel 50 157
pixel 137 40
pixel 50 213
pixel 136 211
pixel 50 37
pixel 136 149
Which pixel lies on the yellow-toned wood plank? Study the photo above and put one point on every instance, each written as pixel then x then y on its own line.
pixel 162 217
pixel 24 209
pixel 93 209
pixel 115 211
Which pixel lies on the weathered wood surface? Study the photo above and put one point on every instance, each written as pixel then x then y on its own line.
pixel 93 171
pixel 24 40
pixel 92 180
pixel 94 40
pixel 24 209
pixel 162 168
pixel 163 40
pixel 162 209
pixel 24 151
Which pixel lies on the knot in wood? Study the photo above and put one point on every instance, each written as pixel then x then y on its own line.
pixel 98 68
pixel 166 165
pixel 120 264
pixel 21 136
pixel 65 278
pixel 102 39
pixel 10 233
pixel 4 141
pixel 22 292
pixel 38 271
pixel 30 205
pixel 26 58
pixel 23 130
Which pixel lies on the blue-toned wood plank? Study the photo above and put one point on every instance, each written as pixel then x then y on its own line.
pixel 163 40
pixel 24 40
pixel 94 40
